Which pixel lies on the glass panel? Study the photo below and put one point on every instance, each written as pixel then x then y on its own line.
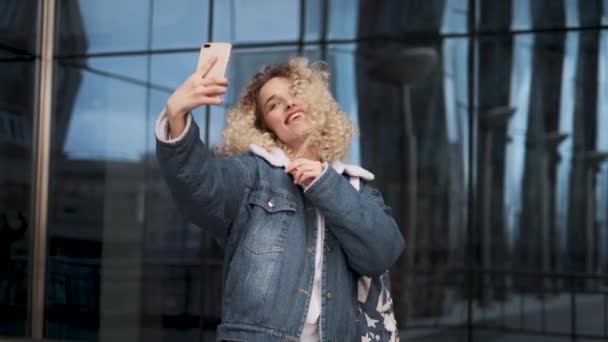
pixel 314 18
pixel 17 96
pixel 180 24
pixel 412 106
pixel 85 26
pixel 343 18
pixel 393 18
pixel 544 14
pixel 96 206
pixel 19 27
pixel 256 21
pixel 341 62
pixel 540 172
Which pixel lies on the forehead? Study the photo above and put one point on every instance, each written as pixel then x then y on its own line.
pixel 276 85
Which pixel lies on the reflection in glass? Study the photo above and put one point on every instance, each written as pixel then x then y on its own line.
pixel 256 21
pixel 313 20
pixel 395 18
pixel 179 23
pixel 602 147
pixel 96 209
pixel 17 96
pixel 411 110
pixel 343 86
pixel 99 27
pixel 19 25
pixel 541 178
pixel 19 29
pixel 343 16
pixel 545 14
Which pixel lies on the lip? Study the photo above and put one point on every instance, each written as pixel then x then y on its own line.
pixel 292 115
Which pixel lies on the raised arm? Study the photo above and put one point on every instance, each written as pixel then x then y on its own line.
pixel 207 190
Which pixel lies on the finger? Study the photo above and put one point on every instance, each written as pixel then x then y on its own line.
pixel 296 164
pixel 306 177
pixel 211 100
pixel 296 174
pixel 205 68
pixel 214 81
pixel 211 90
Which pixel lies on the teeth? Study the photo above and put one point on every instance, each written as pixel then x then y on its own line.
pixel 292 117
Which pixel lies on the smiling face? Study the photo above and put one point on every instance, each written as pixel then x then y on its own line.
pixel 283 113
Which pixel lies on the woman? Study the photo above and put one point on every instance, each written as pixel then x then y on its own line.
pixel 297 235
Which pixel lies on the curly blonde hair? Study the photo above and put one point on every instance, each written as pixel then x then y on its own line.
pixel 332 132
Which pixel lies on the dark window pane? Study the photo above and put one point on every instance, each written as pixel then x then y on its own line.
pixel 96 212
pixel 412 105
pixel 19 26
pixel 256 21
pixel 394 18
pixel 542 182
pixel 17 95
pixel 539 14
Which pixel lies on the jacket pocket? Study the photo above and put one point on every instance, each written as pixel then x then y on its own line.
pixel 268 227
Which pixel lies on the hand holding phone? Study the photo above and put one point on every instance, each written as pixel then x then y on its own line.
pixel 205 87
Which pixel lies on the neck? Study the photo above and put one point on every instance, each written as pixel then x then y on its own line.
pixel 304 150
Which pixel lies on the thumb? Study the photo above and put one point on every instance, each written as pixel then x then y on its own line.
pixel 206 67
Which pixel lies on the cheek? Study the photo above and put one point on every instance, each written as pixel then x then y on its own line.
pixel 273 122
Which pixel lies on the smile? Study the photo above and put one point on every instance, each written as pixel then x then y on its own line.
pixel 293 116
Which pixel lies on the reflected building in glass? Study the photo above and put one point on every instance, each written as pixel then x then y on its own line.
pixel 485 123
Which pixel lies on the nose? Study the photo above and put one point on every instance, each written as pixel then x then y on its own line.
pixel 290 105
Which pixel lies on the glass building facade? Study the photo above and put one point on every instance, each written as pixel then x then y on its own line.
pixel 485 122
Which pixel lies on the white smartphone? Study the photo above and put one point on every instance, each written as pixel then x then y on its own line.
pixel 219 50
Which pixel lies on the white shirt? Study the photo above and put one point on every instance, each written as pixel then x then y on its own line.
pixel 311 331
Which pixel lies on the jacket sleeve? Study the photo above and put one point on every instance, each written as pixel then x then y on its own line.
pixel 360 221
pixel 208 190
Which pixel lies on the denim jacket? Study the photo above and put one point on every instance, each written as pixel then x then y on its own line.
pixel 266 224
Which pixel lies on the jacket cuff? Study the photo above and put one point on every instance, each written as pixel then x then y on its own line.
pixel 325 167
pixel 323 181
pixel 163 132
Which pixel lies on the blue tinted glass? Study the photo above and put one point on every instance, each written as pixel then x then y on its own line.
pixel 107 116
pixel 314 18
pixel 102 26
pixel 256 21
pixel 179 24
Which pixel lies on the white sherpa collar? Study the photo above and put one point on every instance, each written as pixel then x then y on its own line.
pixel 278 158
